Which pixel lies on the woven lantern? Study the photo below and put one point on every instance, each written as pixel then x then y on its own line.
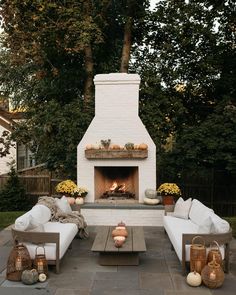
pixel 215 252
pixel 197 254
pixel 40 261
pixel 18 261
pixel 213 275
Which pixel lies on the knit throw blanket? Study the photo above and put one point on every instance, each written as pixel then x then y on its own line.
pixel 58 215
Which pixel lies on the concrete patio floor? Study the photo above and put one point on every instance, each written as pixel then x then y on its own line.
pixel 159 272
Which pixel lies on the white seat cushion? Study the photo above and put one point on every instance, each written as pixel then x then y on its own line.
pixel 67 233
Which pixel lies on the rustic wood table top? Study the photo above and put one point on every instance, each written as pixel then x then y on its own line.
pixel 104 242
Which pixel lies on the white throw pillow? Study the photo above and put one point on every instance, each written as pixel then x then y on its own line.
pixel 40 214
pixel 63 205
pixel 219 225
pixel 206 227
pixel 182 208
pixel 199 212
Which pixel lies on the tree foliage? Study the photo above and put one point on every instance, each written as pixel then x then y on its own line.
pixel 188 94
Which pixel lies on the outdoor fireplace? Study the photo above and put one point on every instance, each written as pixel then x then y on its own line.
pixel 108 173
pixel 116 183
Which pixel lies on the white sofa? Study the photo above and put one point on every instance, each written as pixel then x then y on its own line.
pixel 34 228
pixel 191 218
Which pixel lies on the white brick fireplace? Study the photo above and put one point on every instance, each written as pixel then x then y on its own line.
pixel 116 118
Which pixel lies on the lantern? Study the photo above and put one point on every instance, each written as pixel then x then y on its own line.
pixel 18 261
pixel 40 261
pixel 213 275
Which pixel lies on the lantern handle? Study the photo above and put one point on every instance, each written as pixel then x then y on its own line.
pixel 36 253
pixel 200 238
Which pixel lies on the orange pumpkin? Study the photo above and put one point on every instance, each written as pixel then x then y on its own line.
pixel 120 232
pixel 143 146
pixel 71 200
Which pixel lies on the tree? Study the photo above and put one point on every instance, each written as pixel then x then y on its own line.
pixel 50 51
pixel 188 64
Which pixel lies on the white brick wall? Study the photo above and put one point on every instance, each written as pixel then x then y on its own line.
pixel 131 217
pixel 116 109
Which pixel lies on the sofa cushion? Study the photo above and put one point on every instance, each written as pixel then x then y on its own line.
pixel 199 212
pixel 175 228
pixel 67 233
pixel 63 205
pixel 206 226
pixel 182 208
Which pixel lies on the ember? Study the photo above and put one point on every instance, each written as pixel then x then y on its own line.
pixel 117 191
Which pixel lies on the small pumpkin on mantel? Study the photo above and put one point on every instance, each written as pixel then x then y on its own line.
pixel 143 146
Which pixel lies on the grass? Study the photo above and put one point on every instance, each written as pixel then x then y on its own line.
pixel 8 218
pixel 232 222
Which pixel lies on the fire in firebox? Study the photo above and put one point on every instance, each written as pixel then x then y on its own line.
pixel 117 192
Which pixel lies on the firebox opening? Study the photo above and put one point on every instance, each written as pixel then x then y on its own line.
pixel 116 183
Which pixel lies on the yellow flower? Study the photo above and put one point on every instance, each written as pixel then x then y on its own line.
pixel 171 189
pixel 66 186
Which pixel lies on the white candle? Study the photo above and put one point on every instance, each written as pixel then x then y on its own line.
pixel 18 264
pixel 40 266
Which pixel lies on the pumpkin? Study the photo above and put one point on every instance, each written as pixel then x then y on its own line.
pixel 136 146
pixel 115 147
pixel 29 277
pixel 120 238
pixel 143 146
pixel 194 279
pixel 96 146
pixel 79 201
pixel 118 243
pixel 120 227
pixel 151 193
pixel 120 232
pixel 71 200
pixel 151 201
pixel 89 147
pixel 121 224
pixel 42 277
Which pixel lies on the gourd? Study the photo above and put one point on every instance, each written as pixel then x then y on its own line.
pixel 194 279
pixel 151 201
pixel 119 238
pixel 129 146
pixel 42 277
pixel 151 193
pixel 120 232
pixel 29 277
pixel 89 147
pixel 118 243
pixel 71 200
pixel 143 146
pixel 79 201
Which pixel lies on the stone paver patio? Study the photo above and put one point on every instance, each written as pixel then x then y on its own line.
pixel 159 272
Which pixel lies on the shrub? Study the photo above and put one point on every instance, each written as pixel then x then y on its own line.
pixel 13 196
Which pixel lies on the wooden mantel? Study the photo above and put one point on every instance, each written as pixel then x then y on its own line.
pixel 116 154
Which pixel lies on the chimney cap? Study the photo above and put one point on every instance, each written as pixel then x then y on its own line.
pixel 117 78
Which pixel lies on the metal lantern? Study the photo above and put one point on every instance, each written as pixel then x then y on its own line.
pixel 18 261
pixel 40 261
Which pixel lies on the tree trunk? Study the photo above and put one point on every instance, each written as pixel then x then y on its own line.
pixel 88 62
pixel 126 45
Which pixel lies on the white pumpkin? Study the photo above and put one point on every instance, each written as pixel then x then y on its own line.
pixel 151 201
pixel 119 238
pixel 42 277
pixel 194 279
pixel 89 147
pixel 79 201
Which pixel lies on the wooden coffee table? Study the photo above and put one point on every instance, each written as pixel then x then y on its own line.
pixel 128 254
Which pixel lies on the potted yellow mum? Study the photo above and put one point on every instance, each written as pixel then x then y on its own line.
pixel 169 192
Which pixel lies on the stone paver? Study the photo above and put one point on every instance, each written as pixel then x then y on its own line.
pixel 159 272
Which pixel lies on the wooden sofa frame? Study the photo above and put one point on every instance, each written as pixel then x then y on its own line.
pixel 40 238
pixel 222 239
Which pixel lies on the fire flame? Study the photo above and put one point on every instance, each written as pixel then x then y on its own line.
pixel 117 187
